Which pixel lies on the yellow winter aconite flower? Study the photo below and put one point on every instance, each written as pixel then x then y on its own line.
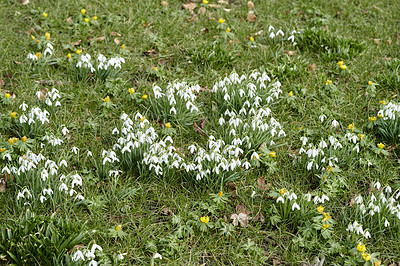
pixel 118 227
pixel 366 256
pixel 144 96
pixel 131 90
pixel 168 125
pixel 95 18
pixel 361 247
pixel 24 138
pixel 13 114
pixel 272 154
pixel 326 226
pixel 220 194
pixel 282 191
pixel 47 35
pixel 123 46
pixel 15 139
pixel 326 216
pixel 86 19
pixel 343 67
pixel 45 14
pixel 361 136
pixel 205 2
pixel 221 20
pixel 340 63
pixel 10 141
pixel 328 81
pixel 372 118
pixel 38 54
pixel 351 126
pixel 7 95
pixel 382 102
pixel 37 41
pixel 3 150
pixel 377 263
pixel 155 68
pixel 107 99
pixel 329 169
pixel 79 51
pixel 380 145
pixel 33 37
pixel 69 55
pixel 228 30
pixel 370 83
pixel 290 93
pixel 83 11
pixel 320 209
pixel 252 39
pixel 205 219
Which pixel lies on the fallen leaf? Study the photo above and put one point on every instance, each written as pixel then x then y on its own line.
pixel 3 185
pixel 35 29
pixel 77 43
pixel 69 20
pixel 377 41
pixel 189 6
pixel 231 186
pixel 164 3
pixel 353 200
pixel 222 2
pixel 101 38
pixel 240 208
pixel 389 42
pixel 198 129
pixel 167 211
pixel 151 52
pixel 311 67
pixel 113 34
pixel 117 42
pixel 241 218
pixel 205 30
pixel 75 248
pixel 24 2
pixel 2 83
pixel 275 262
pixel 261 184
pixel 291 53
pixel 258 33
pixel 214 6
pixel 326 28
pixel 381 58
pixel 251 16
pixel 193 17
pixel 202 10
pixel 250 5
pixel 377 8
pixel 202 123
pixel 17 62
pixel 259 217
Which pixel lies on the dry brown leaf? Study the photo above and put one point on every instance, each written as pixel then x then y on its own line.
pixel 167 211
pixel 198 129
pixel 69 20
pixel 214 6
pixel 381 58
pixel 2 83
pixel 258 33
pixel 275 262
pixel 189 6
pixel 261 184
pixel 241 218
pixel 377 8
pixel 231 187
pixel 117 42
pixel 164 3
pixel 202 123
pixel 113 33
pixel 311 67
pixel 17 62
pixel 35 29
pixel 259 217
pixel 76 247
pixel 389 42
pixel 291 53
pixel 377 41
pixel 3 185
pixel 101 38
pixel 77 43
pixel 222 2
pixel 193 17
pixel 250 5
pixel 251 16
pixel 202 10
pixel 24 2
pixel 240 208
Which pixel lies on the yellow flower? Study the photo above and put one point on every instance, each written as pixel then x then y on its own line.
pixel 47 35
pixel 361 247
pixel 10 141
pixel 205 2
pixel 38 54
pixel 118 227
pixel 380 145
pixel 155 68
pixel 37 41
pixel 272 154
pixel 377 263
pixel 370 83
pixel 13 114
pixel 351 126
pixel 328 81
pixel 7 95
pixel 366 256
pixel 343 67
pixel 79 51
pixel 329 169
pixel 252 39
pixel 381 116
pixel 83 11
pixel 340 63
pixel 24 138
pixel 320 209
pixel 372 118
pixel 86 19
pixel 361 136
pixel 144 96
pixel 15 139
pixel 69 55
pixel 95 18
pixel 168 125
pixel 33 37
pixel 3 150
pixel 228 30
pixel 123 46
pixel 326 216
pixel 382 102
pixel 290 93
pixel 45 14
pixel 220 194
pixel 282 191
pixel 107 99
pixel 205 219
pixel 221 20
pixel 326 226
pixel 131 90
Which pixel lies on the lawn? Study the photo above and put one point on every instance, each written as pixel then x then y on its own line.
pixel 199 133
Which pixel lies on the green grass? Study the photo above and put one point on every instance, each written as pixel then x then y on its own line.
pixel 164 44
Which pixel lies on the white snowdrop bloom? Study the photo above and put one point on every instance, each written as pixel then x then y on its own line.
pixel 65 131
pixel 47 51
pixel 253 194
pixel 388 189
pixel 295 206
pixel 20 195
pixel 42 198
pixel 47 191
pixel 309 165
pixel 292 196
pixel 291 38
pixel 373 198
pixel 157 256
pixel 246 165
pixel 44 175
pixel 94 247
pixel 280 199
pixel 335 123
pixel 387 223
pixel 32 57
pixel 78 255
pixel 304 140
pixel 272 35
pixel 367 235
pixel 75 150
pixel 358 199
pixel 72 192
pixel 93 263
pixel 323 198
pixel 270 28
pixel 280 32
pixel 23 106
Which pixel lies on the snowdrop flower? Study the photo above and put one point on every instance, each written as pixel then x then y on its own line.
pixel 291 38
pixel 89 153
pixel 387 223
pixel 272 35
pixel 121 256
pixel 280 199
pixel 335 123
pixel 75 150
pixel 295 206
pixel 270 28
pixel 78 255
pixel 42 198
pixel 388 189
pixel 23 106
pixel 253 194
pixel 157 256
pixel 65 131
pixel 377 185
pixel 367 235
pixel 280 32
pixel 323 198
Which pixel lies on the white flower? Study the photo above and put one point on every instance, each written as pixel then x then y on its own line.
pixel 335 123
pixel 295 206
pixel 253 194
pixel 157 256
pixel 65 131
pixel 387 223
pixel 78 256
pixel 75 150
pixel 377 185
pixel 280 199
